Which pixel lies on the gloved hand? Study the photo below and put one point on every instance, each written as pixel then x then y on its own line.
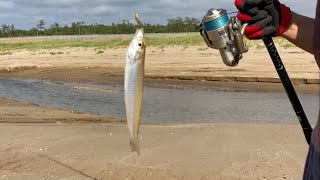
pixel 265 18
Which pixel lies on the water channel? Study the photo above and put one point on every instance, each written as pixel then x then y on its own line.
pixel 163 105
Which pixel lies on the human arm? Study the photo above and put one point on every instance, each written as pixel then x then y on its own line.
pixel 300 32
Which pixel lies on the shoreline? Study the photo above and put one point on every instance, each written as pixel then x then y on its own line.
pixel 83 146
pixel 20 112
pixel 171 65
pixel 98 76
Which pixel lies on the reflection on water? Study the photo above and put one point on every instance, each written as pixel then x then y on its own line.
pixel 163 105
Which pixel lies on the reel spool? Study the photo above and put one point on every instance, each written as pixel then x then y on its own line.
pixel 220 32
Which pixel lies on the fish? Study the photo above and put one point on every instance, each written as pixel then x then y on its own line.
pixel 134 85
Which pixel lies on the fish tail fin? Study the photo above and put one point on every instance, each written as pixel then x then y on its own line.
pixel 135 145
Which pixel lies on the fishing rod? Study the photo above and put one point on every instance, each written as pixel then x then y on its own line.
pixel 286 82
pixel 226 34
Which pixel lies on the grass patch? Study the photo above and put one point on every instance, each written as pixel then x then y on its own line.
pixel 100 52
pixel 161 41
pixel 288 45
pixel 60 52
pixel 6 53
pixel 185 40
pixel 55 44
pixel 53 53
pixel 260 46
pixel 202 48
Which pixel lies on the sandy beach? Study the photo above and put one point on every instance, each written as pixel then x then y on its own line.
pixel 69 146
pixel 168 62
pixel 39 142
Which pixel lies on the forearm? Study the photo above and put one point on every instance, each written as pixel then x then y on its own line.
pixel 300 32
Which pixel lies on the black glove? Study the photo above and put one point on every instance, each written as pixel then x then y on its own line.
pixel 265 18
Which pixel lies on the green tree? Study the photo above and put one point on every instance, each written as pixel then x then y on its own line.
pixel 178 24
pixel 12 28
pixel 79 24
pixel 4 30
pixel 55 27
pixel 40 26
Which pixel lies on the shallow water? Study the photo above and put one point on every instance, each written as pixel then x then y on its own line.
pixel 163 105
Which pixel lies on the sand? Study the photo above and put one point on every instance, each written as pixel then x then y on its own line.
pixel 169 62
pixel 43 143
pixel 24 112
pixel 100 150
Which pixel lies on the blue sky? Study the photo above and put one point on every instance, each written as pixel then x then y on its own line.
pixel 26 13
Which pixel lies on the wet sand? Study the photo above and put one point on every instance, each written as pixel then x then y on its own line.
pixel 42 143
pixel 196 66
pixel 199 151
pixel 23 112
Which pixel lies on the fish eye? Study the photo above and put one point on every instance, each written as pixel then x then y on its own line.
pixel 140 44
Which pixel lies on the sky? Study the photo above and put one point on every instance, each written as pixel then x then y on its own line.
pixel 25 14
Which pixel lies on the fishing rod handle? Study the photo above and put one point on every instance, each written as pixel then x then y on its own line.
pixel 307 129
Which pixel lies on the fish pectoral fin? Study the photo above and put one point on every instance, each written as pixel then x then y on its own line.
pixel 135 145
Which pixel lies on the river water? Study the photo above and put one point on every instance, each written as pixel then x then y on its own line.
pixel 163 105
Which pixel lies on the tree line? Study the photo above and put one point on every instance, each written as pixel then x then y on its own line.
pixel 174 25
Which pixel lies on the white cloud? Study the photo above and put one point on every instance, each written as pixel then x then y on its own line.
pixel 6 4
pixel 27 12
pixel 48 2
pixel 104 9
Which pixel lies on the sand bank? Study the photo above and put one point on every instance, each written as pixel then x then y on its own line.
pixel 61 150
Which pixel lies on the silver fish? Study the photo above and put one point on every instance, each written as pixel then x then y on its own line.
pixel 133 86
